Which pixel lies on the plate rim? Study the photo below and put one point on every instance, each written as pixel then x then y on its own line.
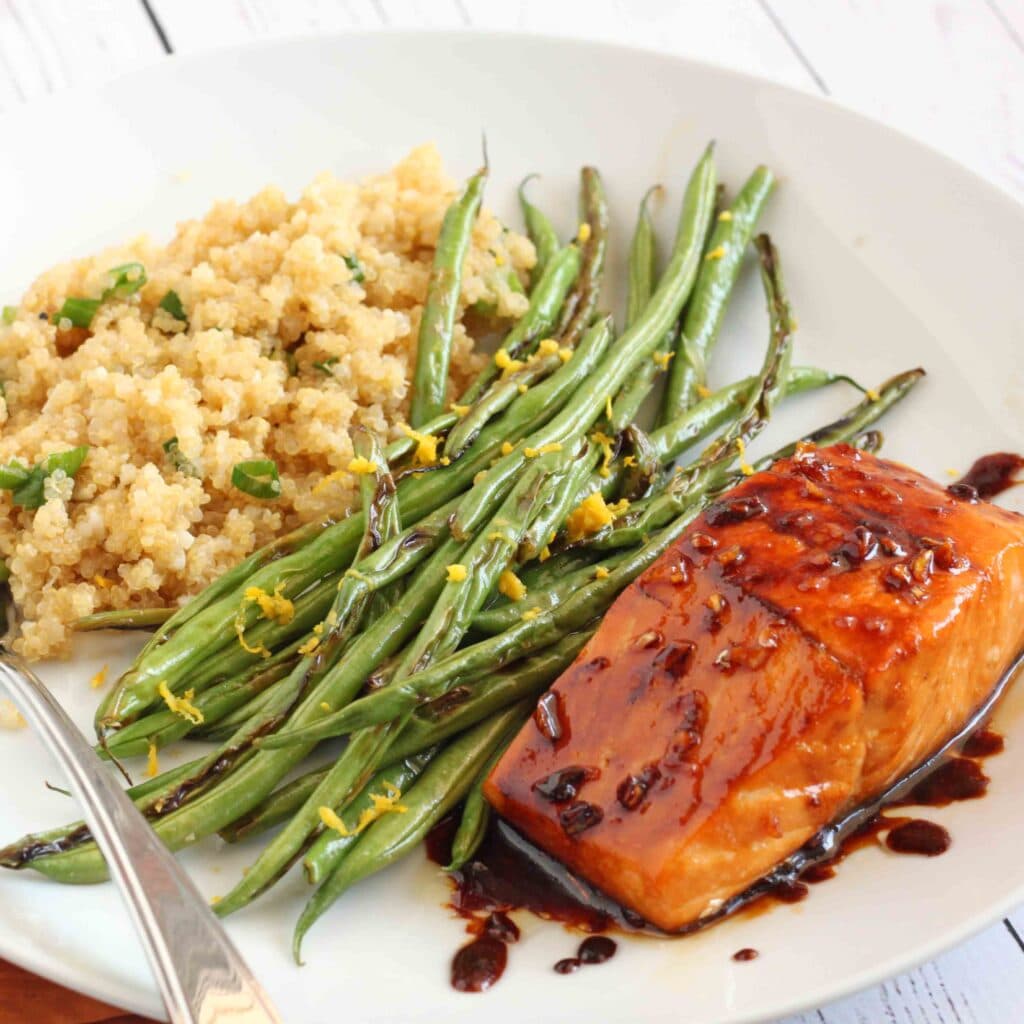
pixel 78 979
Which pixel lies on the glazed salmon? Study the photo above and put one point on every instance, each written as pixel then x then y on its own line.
pixel 812 637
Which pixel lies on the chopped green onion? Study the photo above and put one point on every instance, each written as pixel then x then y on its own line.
pixel 5 572
pixel 353 264
pixel 291 362
pixel 179 460
pixel 79 311
pixel 257 478
pixel 13 475
pixel 9 314
pixel 325 366
pixel 171 303
pixel 26 485
pixel 128 279
pixel 70 461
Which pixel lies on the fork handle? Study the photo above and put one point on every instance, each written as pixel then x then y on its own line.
pixel 201 976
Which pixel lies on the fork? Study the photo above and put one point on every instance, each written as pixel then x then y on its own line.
pixel 201 976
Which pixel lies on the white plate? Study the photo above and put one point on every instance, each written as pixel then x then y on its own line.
pixel 895 257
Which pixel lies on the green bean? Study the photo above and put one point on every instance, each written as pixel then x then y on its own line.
pixel 214 705
pixel 234 661
pixel 403 446
pixel 634 392
pixel 714 287
pixel 437 321
pixel 501 617
pixel 525 636
pixel 476 812
pixel 484 561
pixel 635 345
pixel 482 697
pixel 276 808
pixel 540 574
pixel 770 386
pixel 123 618
pixel 379 504
pixel 546 300
pixel 250 782
pixel 541 232
pixel 707 415
pixel 539 533
pixel 642 273
pixel 440 788
pixel 857 420
pixel 335 846
pixel 40 844
pixel 498 397
pixel 642 262
pixel 581 303
pixel 247 714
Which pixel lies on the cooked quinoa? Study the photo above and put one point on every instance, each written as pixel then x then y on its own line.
pixel 263 284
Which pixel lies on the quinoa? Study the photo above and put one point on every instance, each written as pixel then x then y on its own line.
pixel 262 283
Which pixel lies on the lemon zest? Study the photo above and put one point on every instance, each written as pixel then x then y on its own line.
pixel 607 451
pixel 601 573
pixel 99 679
pixel 426 446
pixel 544 449
pixel 507 448
pixel 182 705
pixel 726 216
pixel 565 353
pixel 662 359
pixel 362 466
pixel 456 573
pixel 152 762
pixel 383 803
pixel 240 633
pixel 511 586
pixel 704 392
pixel 459 410
pixel 325 707
pixel 273 606
pixel 716 254
pixel 741 450
pixel 591 515
pixel 506 363
pixel 629 461
pixel 522 389
pixel 872 394
pixel 314 641
pixel 583 234
pixel 530 614
pixel 548 347
pixel 545 554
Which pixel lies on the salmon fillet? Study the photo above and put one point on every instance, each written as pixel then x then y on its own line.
pixel 813 636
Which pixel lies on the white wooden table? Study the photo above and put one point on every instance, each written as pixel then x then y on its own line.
pixel 950 72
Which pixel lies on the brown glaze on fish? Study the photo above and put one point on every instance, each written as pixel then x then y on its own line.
pixel 820 630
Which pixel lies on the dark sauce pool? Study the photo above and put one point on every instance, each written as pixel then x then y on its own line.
pixel 509 873
pixel 989 476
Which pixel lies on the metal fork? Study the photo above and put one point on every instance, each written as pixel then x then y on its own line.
pixel 201 976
